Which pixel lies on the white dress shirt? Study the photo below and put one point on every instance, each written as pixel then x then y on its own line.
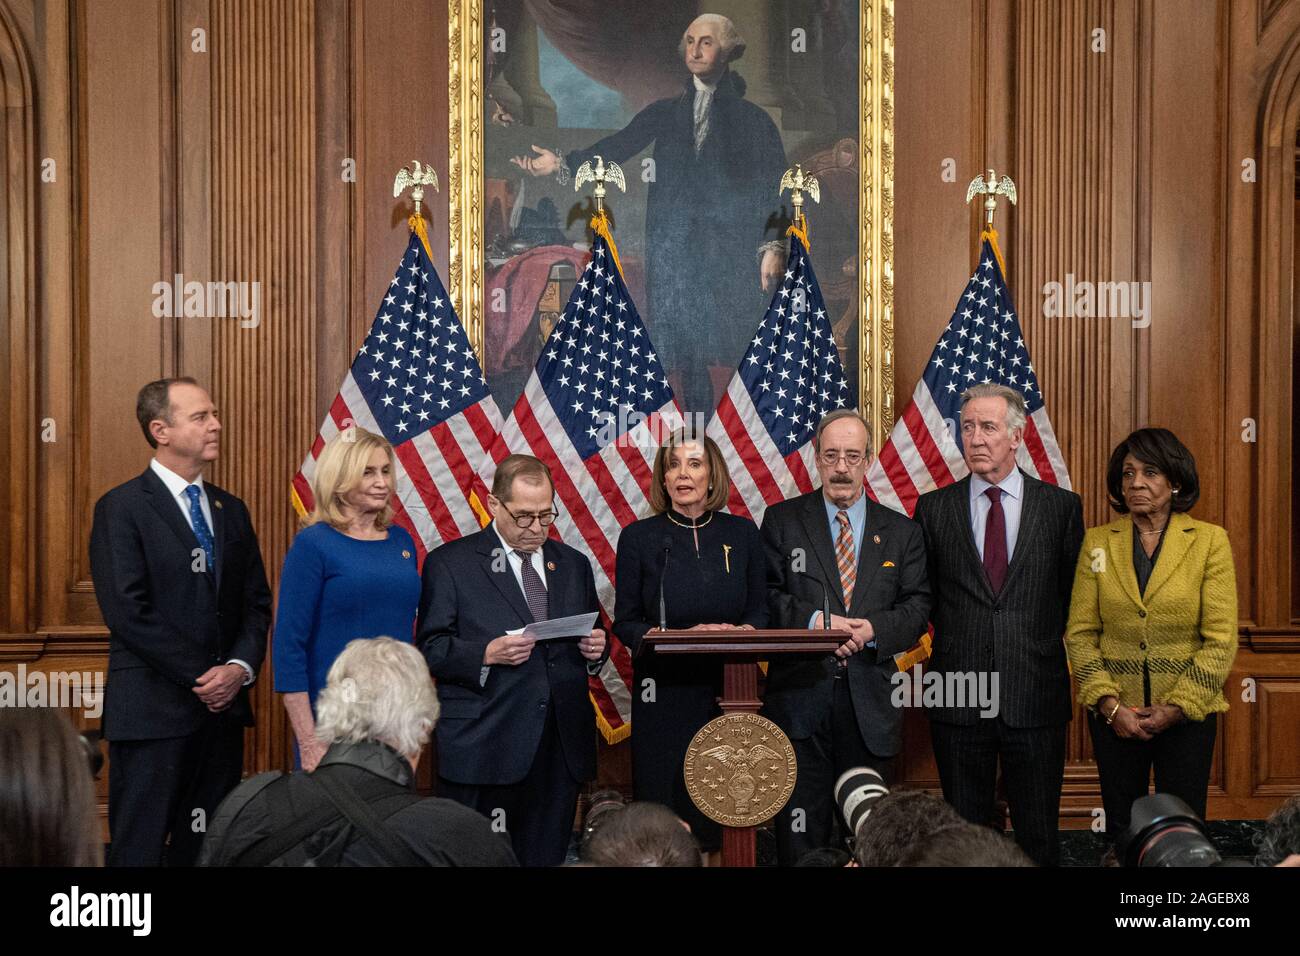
pixel 1013 497
pixel 517 563
pixel 703 104
pixel 176 486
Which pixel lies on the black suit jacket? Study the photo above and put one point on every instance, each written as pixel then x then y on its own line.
pixel 489 735
pixel 1019 633
pixel 168 622
pixel 891 592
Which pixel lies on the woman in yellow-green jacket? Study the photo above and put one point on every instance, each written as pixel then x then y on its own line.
pixel 1153 629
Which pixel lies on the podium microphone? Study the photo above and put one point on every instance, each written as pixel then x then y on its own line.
pixel 663 614
pixel 841 665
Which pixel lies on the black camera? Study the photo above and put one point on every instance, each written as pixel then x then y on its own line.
pixel 1164 831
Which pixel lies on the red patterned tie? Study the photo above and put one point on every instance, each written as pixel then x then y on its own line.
pixel 995 541
pixel 845 558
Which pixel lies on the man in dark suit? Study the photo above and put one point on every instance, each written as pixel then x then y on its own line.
pixel 1002 548
pixel 179 579
pixel 868 563
pixel 517 734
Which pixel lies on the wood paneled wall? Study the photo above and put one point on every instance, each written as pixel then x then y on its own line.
pixel 228 158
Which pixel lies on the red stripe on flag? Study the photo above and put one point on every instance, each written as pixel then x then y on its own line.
pixel 898 477
pixel 749 456
pixel 583 520
pixel 609 490
pixel 454 456
pixel 480 425
pixel 802 480
pixel 303 487
pixel 604 703
pixel 1034 444
pixel 925 446
pixel 736 504
pixel 317 445
pixel 410 458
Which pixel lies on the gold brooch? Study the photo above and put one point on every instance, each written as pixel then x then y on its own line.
pixel 550 565
pixel 405 553
pixel 216 504
pixel 875 538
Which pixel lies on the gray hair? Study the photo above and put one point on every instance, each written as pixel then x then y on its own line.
pixel 835 416
pixel 1016 409
pixel 730 42
pixel 378 689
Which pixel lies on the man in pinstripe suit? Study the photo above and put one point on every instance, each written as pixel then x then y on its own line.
pixel 1001 548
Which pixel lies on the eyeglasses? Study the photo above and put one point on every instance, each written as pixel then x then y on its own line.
pixel 851 458
pixel 545 519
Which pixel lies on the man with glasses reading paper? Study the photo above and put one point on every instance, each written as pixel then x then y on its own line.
pixel 516 738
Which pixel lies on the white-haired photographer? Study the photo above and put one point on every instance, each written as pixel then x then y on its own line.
pixel 381 693
pixel 359 807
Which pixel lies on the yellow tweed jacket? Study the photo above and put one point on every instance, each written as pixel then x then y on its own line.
pixel 1184 627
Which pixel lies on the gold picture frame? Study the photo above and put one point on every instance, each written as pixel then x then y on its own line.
pixel 875 217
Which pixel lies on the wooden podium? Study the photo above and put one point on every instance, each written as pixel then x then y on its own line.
pixel 740 652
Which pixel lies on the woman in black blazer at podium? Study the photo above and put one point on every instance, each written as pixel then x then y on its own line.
pixel 714 578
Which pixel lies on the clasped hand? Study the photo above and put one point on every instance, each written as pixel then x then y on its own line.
pixel 860 632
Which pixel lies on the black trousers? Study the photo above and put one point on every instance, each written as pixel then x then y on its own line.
pixel 538 811
pixel 155 788
pixel 1180 755
pixel 1033 768
pixel 810 820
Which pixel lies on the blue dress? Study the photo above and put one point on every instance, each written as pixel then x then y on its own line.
pixel 333 590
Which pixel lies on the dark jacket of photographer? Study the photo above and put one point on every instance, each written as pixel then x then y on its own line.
pixel 438 832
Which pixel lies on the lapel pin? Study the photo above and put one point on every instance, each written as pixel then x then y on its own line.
pixel 875 538
pixel 405 553
pixel 550 565
pixel 216 504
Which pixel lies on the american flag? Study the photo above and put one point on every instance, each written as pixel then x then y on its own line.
pixel 981 344
pixel 594 410
pixel 790 377
pixel 416 381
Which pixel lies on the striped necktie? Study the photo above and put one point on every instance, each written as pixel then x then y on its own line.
pixel 845 555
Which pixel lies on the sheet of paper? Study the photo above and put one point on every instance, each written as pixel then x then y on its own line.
pixel 576 625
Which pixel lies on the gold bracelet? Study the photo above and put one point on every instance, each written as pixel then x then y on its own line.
pixel 1110 718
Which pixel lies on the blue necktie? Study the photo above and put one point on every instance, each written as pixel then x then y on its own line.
pixel 201 529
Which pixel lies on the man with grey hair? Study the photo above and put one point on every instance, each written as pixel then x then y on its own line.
pixel 359 806
pixel 717 161
pixel 1002 548
pixel 834 547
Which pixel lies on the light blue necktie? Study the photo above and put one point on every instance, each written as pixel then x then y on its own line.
pixel 201 529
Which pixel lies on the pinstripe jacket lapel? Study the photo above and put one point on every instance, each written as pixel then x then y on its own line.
pixel 1030 513
pixel 959 510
